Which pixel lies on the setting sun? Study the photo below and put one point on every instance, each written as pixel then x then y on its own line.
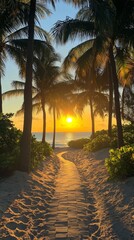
pixel 69 119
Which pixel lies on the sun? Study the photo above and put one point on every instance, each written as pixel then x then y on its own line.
pixel 69 119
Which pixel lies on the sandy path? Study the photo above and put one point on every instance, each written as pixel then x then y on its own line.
pixel 69 214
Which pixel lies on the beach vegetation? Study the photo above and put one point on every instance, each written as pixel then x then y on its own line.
pixel 9 144
pixel 78 143
pixel 97 143
pixel 102 140
pixel 10 147
pixel 120 163
pixel 39 151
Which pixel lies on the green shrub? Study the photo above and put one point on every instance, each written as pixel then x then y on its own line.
pixel 47 149
pixel 39 151
pixel 9 161
pixel 120 164
pixel 100 142
pixel 128 138
pixel 9 145
pixel 78 143
pixel 101 139
pixel 100 133
pixel 9 135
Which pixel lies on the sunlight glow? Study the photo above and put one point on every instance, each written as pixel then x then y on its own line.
pixel 69 119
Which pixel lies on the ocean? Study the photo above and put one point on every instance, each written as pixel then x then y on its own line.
pixel 62 138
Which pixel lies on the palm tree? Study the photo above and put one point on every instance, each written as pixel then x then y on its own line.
pixel 105 22
pixel 15 46
pixel 61 101
pixel 90 93
pixel 13 30
pixel 25 148
pixel 48 79
pixel 106 85
pixel 125 70
pixel 30 17
pixel 45 74
pixel 57 97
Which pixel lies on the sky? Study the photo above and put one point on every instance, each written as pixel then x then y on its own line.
pixel 78 124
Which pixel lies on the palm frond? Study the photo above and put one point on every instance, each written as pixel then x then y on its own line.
pixel 36 98
pixel 20 112
pixel 72 28
pixel 40 32
pixel 77 52
pixel 36 107
pixel 41 10
pixel 23 32
pixel 18 85
pixel 13 93
pixel 2 63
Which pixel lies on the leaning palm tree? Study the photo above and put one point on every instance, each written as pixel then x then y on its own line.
pixel 107 22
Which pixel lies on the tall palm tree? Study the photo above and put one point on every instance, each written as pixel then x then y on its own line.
pixel 106 22
pixel 25 148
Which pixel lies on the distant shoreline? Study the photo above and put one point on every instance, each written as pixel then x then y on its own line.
pixel 62 138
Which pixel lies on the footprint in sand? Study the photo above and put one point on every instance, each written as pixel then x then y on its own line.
pixel 11 225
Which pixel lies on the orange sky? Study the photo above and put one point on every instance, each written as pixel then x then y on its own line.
pixel 78 124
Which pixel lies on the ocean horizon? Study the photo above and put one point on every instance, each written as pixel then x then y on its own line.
pixel 62 138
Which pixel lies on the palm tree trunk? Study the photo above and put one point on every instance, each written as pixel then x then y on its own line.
pixel 110 100
pixel 25 148
pixel 92 116
pixel 0 95
pixel 44 124
pixel 54 130
pixel 117 101
pixel 122 100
